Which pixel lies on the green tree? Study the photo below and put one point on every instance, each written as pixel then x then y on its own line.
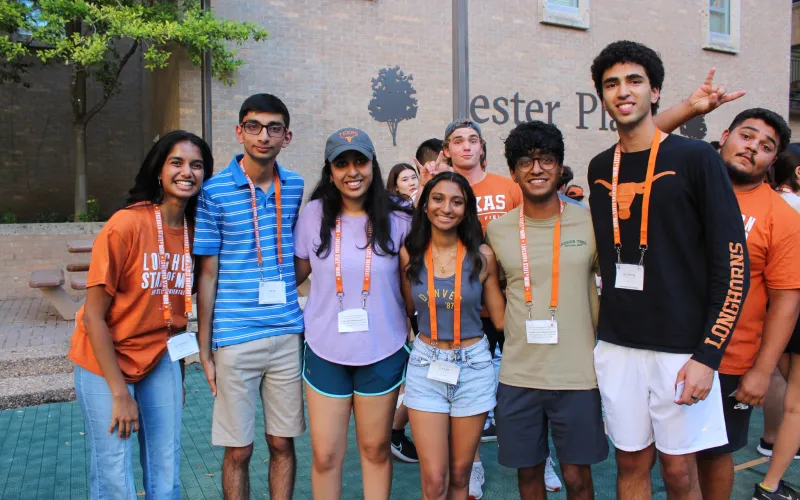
pixel 97 38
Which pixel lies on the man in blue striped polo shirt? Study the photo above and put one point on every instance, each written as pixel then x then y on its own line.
pixel 247 298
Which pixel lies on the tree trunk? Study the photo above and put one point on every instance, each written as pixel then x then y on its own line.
pixel 78 95
pixel 79 136
pixel 393 130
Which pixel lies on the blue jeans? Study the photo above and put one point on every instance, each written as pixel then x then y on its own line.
pixel 160 397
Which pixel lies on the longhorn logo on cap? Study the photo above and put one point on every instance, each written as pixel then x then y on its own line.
pixel 348 135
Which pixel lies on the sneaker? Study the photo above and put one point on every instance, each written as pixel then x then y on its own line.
pixel 765 449
pixel 551 480
pixel 489 433
pixel 404 449
pixel 476 480
pixel 782 493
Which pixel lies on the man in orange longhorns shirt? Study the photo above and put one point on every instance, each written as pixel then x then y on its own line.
pixel 749 147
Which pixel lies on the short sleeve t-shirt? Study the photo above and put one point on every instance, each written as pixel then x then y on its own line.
pixel 385 304
pixel 772 228
pixel 125 262
pixel 496 195
pixel 569 364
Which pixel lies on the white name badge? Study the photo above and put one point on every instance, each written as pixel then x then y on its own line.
pixel 182 345
pixel 630 277
pixel 271 292
pixel 542 331
pixel 353 320
pixel 442 371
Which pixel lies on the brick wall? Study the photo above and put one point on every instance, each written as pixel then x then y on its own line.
pixel 322 54
pixel 36 143
pixel 33 247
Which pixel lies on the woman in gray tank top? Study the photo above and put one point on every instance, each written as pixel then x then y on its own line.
pixel 450 382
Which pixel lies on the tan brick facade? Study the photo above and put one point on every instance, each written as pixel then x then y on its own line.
pixel 322 54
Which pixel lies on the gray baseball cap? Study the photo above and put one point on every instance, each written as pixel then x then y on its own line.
pixel 461 123
pixel 348 139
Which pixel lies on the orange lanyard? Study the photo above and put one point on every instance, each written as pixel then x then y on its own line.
pixel 337 263
pixel 526 271
pixel 457 293
pixel 276 182
pixel 648 186
pixel 166 306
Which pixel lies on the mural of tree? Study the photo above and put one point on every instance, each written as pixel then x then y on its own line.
pixel 695 128
pixel 392 99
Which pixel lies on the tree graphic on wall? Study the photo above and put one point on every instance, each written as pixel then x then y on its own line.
pixel 392 99
pixel 695 128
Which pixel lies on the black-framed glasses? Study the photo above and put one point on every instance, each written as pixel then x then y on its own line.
pixel 546 162
pixel 253 127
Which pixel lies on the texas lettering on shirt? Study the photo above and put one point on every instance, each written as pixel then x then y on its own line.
pixel 496 196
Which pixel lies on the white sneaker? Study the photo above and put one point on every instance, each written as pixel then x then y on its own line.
pixel 476 480
pixel 551 480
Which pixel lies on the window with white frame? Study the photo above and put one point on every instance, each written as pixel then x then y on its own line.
pixel 720 25
pixel 719 18
pixel 569 13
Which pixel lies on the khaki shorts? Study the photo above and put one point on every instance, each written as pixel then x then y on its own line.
pixel 270 366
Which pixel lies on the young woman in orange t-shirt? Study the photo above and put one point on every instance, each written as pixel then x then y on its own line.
pixel 124 378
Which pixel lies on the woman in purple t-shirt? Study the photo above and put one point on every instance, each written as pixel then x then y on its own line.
pixel 350 235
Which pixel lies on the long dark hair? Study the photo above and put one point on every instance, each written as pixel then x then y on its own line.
pixel 147 188
pixel 469 229
pixel 394 173
pixel 785 167
pixel 377 204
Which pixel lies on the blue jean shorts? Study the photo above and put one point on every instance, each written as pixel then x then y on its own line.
pixel 472 395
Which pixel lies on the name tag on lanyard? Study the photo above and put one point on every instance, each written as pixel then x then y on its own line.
pixel 541 331
pixel 353 320
pixel 182 345
pixel 630 277
pixel 271 292
pixel 443 371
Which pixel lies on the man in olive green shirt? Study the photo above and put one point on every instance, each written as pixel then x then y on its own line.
pixel 547 373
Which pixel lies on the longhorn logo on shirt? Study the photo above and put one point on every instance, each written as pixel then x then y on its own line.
pixel 627 191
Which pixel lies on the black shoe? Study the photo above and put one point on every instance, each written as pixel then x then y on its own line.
pixel 765 449
pixel 782 493
pixel 403 448
pixel 489 434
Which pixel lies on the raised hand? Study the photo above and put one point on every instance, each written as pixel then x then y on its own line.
pixel 709 95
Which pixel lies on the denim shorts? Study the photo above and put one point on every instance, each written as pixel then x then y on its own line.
pixel 472 395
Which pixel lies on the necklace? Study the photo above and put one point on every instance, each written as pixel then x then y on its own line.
pixel 442 267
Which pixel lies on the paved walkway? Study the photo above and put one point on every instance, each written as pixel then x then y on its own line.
pixel 31 322
pixel 44 455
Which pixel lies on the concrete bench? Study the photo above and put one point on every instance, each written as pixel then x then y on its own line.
pixel 79 246
pixel 78 268
pixel 78 283
pixel 51 283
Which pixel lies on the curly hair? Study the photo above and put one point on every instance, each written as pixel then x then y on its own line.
pixel 532 136
pixel 771 118
pixel 625 51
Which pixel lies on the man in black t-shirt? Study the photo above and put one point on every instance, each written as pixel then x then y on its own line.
pixel 675 271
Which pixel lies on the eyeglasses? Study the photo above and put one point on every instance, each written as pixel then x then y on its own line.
pixel 252 127
pixel 546 162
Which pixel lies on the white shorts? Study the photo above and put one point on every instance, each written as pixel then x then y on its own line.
pixel 637 388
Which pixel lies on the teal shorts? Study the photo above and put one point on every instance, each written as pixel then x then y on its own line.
pixel 342 381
